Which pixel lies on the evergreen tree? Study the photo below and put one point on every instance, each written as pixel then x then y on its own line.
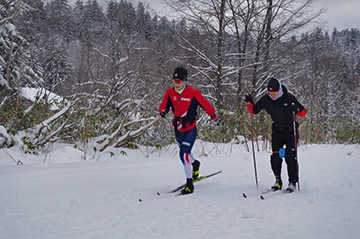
pixel 61 23
pixel 33 26
pixel 79 20
pixel 143 22
pixel 15 59
pixel 58 68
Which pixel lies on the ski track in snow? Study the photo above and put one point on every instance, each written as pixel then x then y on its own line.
pixel 87 199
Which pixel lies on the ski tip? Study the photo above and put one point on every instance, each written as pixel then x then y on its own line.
pixel 244 195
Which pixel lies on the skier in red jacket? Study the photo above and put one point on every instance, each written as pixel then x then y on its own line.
pixel 183 101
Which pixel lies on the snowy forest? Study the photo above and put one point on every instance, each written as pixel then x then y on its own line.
pixel 93 76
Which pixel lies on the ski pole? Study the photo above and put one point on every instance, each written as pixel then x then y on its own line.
pixel 296 148
pixel 253 149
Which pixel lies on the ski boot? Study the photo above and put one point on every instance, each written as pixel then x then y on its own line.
pixel 189 187
pixel 195 171
pixel 277 185
pixel 291 188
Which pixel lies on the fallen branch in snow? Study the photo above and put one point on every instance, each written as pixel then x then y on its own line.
pixel 17 162
pixel 135 133
pixel 48 129
pixel 131 134
pixel 44 128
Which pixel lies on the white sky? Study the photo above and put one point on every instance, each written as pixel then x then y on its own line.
pixel 341 14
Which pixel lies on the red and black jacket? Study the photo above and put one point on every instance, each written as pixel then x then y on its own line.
pixel 184 107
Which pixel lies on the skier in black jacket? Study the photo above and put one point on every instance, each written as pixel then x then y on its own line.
pixel 280 104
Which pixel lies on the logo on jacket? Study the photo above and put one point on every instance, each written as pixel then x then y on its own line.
pixel 174 98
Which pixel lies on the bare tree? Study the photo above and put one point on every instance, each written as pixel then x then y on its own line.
pixel 243 19
pixel 275 22
pixel 210 19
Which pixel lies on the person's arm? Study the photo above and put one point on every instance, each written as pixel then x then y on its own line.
pixel 205 104
pixel 165 104
pixel 254 108
pixel 299 109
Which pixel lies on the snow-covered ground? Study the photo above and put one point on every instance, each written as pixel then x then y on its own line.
pixel 66 197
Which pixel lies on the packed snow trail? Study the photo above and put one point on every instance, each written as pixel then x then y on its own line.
pixel 70 198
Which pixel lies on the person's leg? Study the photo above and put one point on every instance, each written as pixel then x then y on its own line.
pixel 290 159
pixel 277 142
pixel 186 143
pixel 195 167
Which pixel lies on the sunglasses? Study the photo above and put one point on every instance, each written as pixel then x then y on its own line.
pixel 273 93
pixel 177 81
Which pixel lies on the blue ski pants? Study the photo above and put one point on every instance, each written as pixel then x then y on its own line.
pixel 186 141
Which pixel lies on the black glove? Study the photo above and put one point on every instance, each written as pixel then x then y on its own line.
pixel 249 99
pixel 163 113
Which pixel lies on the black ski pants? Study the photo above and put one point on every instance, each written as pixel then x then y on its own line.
pixel 284 135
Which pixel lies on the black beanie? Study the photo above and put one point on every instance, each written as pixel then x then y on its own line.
pixel 180 73
pixel 273 85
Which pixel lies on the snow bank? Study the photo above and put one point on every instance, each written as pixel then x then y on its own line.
pixel 31 94
pixel 100 199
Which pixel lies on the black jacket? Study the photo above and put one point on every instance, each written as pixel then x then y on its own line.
pixel 280 110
